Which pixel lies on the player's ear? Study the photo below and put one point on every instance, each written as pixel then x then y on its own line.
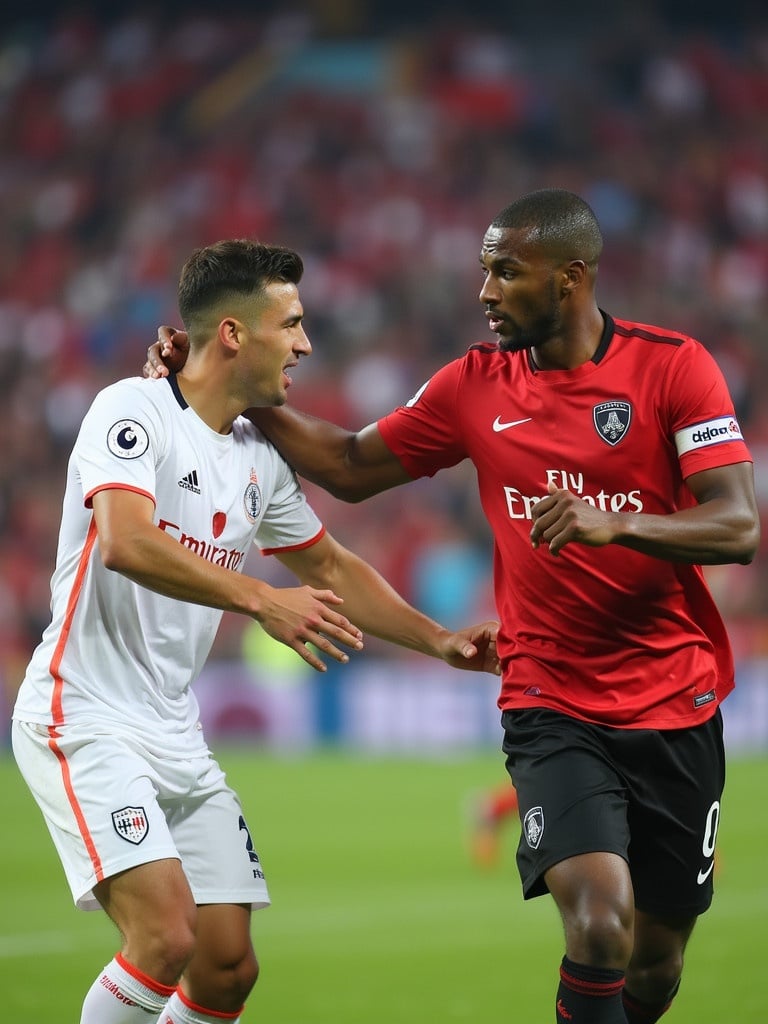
pixel 574 275
pixel 229 334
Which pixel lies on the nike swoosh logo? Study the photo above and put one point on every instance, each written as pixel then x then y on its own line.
pixel 498 425
pixel 704 875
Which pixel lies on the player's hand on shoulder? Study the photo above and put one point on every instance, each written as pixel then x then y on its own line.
pixel 473 648
pixel 562 517
pixel 168 354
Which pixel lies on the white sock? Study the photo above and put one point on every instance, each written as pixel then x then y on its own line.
pixel 179 1010
pixel 122 994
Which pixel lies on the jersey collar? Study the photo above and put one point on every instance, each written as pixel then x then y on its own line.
pixel 174 384
pixel 602 348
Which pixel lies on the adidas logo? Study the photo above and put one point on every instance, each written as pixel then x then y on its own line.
pixel 189 482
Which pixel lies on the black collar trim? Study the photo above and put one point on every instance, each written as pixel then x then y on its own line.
pixel 171 378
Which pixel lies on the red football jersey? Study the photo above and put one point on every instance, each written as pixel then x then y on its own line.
pixel 605 634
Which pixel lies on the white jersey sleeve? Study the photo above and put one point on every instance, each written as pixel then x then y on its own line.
pixel 122 440
pixel 289 522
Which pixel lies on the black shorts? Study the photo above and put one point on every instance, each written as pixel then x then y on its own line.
pixel 651 796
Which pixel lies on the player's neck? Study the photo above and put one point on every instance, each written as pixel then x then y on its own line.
pixel 202 393
pixel 574 346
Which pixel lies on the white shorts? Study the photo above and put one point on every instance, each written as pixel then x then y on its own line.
pixel 111 805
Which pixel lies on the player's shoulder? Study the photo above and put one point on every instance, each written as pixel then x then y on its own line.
pixel 651 334
pixel 140 389
pixel 481 357
pixel 481 353
pixel 135 401
pixel 482 349
pixel 485 361
pixel 245 431
pixel 247 435
pixel 667 350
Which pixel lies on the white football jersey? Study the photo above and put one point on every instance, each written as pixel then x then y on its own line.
pixel 119 655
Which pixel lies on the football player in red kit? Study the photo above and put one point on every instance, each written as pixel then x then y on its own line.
pixel 611 467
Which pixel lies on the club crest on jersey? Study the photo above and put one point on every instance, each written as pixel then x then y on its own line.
pixel 612 420
pixel 533 827
pixel 252 498
pixel 131 824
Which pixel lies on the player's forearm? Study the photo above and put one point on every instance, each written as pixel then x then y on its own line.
pixel 351 466
pixel 158 562
pixel 376 607
pixel 704 535
pixel 378 610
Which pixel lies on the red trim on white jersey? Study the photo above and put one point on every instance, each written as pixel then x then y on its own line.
pixel 74 595
pixel 116 486
pixel 296 547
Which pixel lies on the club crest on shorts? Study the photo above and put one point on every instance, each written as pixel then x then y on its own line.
pixel 131 824
pixel 612 420
pixel 533 827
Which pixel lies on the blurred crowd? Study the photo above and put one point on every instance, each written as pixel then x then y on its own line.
pixel 380 156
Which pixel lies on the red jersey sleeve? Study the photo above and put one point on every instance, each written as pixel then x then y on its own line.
pixel 702 419
pixel 425 433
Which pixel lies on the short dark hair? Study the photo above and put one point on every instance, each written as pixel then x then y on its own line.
pixel 561 222
pixel 232 267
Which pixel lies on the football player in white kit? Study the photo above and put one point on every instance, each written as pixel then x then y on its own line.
pixel 167 488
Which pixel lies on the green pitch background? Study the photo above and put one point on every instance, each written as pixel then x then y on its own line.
pixel 379 914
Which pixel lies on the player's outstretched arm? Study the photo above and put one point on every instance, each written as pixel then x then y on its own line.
pixel 378 609
pixel 130 543
pixel 350 465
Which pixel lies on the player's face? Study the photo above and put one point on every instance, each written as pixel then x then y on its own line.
pixel 519 291
pixel 275 340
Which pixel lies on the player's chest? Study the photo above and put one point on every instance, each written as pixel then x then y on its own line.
pixel 217 494
pixel 578 437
